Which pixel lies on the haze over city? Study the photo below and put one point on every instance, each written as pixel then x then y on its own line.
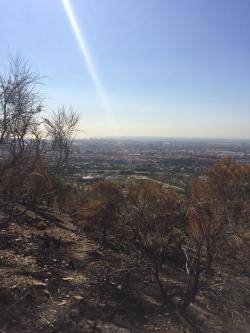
pixel 138 68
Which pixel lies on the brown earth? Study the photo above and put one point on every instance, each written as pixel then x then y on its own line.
pixel 54 278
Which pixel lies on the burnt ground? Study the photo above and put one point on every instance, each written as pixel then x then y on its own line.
pixel 54 278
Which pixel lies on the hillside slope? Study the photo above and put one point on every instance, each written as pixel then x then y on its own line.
pixel 55 279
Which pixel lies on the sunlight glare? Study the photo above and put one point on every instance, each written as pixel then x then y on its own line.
pixel 89 63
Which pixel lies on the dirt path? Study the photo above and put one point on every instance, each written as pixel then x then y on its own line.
pixel 42 271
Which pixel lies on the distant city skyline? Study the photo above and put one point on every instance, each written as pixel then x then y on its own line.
pixel 144 68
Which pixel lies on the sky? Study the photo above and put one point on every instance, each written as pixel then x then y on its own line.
pixel 161 68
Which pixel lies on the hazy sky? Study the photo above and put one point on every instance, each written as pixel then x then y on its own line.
pixel 176 68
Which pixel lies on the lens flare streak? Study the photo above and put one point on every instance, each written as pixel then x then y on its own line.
pixel 88 61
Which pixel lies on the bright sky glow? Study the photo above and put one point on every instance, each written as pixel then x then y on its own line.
pixel 90 65
pixel 173 68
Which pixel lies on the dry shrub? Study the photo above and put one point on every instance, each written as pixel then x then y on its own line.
pixel 25 183
pixel 155 216
pixel 217 219
pixel 101 211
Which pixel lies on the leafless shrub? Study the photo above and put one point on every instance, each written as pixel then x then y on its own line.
pixel 20 105
pixel 155 216
pixel 218 206
pixel 22 142
pixel 61 129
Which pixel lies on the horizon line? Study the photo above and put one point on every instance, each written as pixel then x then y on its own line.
pixel 161 137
